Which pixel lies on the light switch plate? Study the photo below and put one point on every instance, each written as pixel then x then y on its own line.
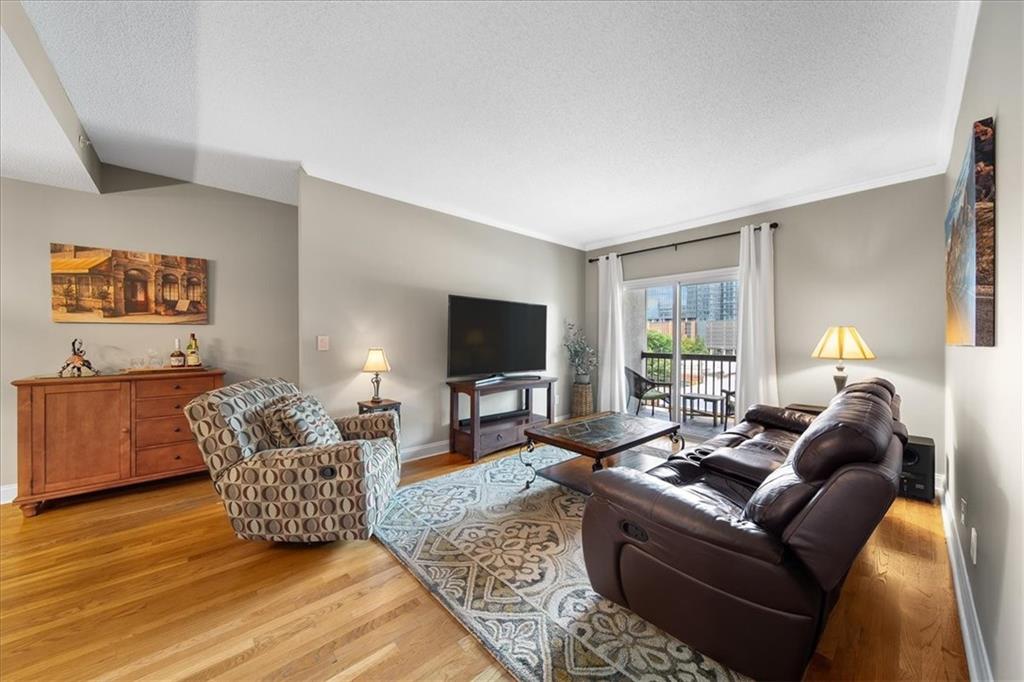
pixel 323 343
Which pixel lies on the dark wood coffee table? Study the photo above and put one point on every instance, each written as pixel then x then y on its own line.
pixel 602 439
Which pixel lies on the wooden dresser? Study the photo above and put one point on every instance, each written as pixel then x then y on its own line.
pixel 92 433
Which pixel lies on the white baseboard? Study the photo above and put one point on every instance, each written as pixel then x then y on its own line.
pixel 426 450
pixel 974 644
pixel 8 492
pixel 940 484
pixel 438 447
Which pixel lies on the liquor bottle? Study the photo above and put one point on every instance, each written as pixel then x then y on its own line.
pixel 177 357
pixel 192 358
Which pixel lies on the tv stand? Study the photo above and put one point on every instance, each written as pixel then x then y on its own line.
pixel 480 435
pixel 501 378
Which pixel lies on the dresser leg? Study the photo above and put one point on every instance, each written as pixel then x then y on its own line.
pixel 29 508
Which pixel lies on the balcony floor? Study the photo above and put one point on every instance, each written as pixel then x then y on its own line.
pixel 695 430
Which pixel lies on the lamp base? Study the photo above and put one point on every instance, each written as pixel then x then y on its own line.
pixel 376 387
pixel 840 378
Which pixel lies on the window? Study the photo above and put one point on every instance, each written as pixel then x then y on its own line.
pixel 194 290
pixel 708 314
pixel 680 336
pixel 170 290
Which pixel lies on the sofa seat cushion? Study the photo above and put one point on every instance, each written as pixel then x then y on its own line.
pixel 308 423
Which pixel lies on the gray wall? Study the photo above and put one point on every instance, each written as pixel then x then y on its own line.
pixel 984 408
pixel 872 259
pixel 251 245
pixel 377 272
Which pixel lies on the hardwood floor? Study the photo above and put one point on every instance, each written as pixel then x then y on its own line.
pixel 152 584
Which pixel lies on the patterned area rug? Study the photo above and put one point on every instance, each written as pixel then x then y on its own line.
pixel 508 563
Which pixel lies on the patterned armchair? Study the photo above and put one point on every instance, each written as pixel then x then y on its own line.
pixel 310 493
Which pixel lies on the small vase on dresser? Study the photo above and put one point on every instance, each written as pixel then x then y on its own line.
pixel 87 434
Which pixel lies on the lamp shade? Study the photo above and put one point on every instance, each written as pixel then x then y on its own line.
pixel 842 343
pixel 376 361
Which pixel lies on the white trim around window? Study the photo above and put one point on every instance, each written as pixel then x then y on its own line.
pixel 701 277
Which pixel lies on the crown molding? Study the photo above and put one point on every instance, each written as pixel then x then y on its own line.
pixel 776 204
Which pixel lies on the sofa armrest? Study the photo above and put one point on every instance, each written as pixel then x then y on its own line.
pixel 779 417
pixel 305 455
pixel 370 426
pixel 748 465
pixel 696 510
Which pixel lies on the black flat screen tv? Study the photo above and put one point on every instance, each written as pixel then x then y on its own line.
pixel 487 337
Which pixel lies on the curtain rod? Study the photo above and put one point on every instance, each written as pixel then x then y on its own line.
pixel 677 244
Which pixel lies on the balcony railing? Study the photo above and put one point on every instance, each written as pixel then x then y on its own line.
pixel 699 374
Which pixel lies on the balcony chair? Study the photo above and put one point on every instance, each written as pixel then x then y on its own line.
pixel 289 473
pixel 643 389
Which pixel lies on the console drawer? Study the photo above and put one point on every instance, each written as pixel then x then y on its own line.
pixel 161 407
pixel 167 458
pixel 185 386
pixel 498 440
pixel 161 430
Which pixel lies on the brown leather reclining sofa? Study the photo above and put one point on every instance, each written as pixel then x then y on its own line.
pixel 740 546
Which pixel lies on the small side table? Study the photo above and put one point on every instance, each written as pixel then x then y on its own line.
pixel 382 405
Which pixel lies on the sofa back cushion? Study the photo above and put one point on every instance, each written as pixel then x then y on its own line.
pixel 857 427
pixel 778 499
pixel 228 422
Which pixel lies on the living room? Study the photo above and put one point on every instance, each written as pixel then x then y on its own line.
pixel 520 340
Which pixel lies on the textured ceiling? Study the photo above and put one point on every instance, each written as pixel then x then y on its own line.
pixel 582 123
pixel 33 146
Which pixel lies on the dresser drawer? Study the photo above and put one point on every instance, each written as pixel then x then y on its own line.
pixel 167 458
pixel 161 430
pixel 187 387
pixel 161 407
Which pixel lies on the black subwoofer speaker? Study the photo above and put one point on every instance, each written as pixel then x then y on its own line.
pixel 917 479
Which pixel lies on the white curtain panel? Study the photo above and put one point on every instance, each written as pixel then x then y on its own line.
pixel 755 349
pixel 611 373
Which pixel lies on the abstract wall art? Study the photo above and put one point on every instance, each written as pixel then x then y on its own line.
pixel 971 245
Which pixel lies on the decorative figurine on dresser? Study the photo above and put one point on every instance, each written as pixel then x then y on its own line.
pixel 84 434
pixel 76 362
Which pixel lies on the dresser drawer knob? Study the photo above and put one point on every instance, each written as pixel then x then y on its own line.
pixel 177 429
pixel 125 429
pixel 499 436
pixel 177 457
pixel 177 407
pixel 177 387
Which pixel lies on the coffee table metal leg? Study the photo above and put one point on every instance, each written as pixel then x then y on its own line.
pixel 529 446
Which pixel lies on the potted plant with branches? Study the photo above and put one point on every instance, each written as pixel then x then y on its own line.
pixel 582 359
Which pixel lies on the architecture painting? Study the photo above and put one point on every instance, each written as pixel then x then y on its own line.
pixel 91 284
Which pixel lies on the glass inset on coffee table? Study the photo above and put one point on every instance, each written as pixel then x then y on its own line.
pixel 602 439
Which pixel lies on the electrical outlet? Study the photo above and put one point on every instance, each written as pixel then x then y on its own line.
pixel 974 546
pixel 963 511
pixel 323 343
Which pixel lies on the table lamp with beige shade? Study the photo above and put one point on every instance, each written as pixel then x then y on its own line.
pixel 842 343
pixel 376 362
